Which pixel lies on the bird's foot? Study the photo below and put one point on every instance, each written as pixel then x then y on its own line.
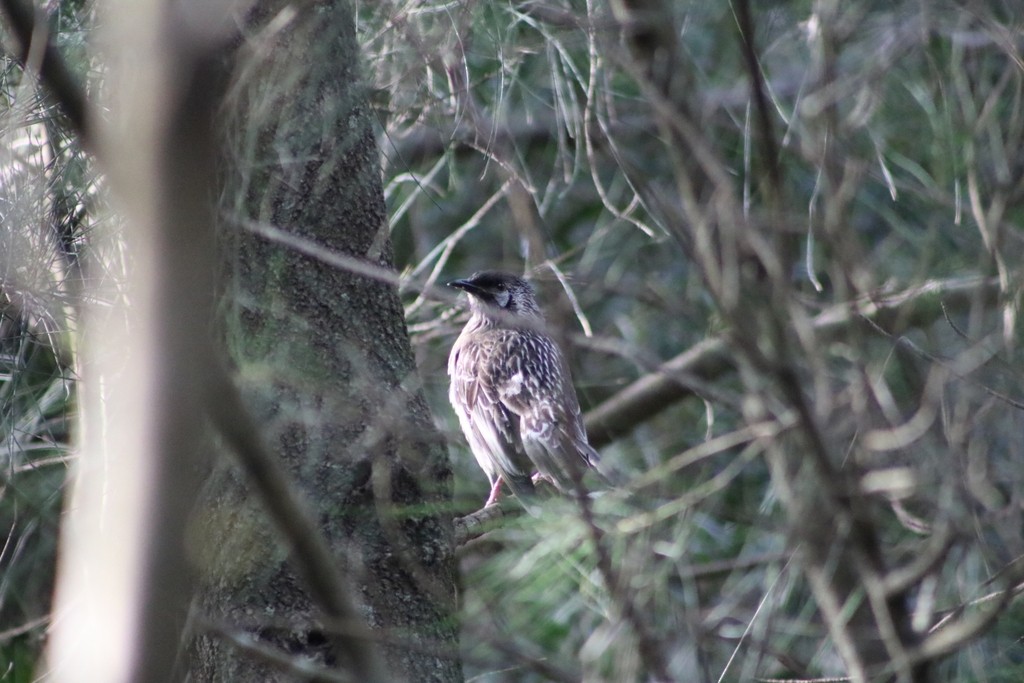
pixel 495 493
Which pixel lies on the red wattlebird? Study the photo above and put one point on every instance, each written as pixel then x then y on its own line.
pixel 511 388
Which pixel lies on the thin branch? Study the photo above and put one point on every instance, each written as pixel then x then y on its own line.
pixel 946 639
pixel 313 249
pixel 284 662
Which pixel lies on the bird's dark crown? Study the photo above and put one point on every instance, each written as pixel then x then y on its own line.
pixel 498 290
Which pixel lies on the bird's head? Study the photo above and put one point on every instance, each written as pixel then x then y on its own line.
pixel 494 294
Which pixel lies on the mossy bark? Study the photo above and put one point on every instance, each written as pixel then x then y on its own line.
pixel 324 359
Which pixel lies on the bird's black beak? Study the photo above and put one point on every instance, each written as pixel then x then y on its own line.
pixel 467 286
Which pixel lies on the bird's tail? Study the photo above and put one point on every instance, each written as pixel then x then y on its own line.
pixel 605 471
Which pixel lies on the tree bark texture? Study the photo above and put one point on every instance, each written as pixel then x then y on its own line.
pixel 325 364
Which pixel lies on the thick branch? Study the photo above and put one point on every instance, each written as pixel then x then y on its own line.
pixel 708 360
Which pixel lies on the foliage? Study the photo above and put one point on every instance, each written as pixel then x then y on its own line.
pixel 529 135
pixel 47 203
pixel 625 161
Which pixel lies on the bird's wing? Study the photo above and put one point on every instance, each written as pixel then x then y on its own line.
pixel 491 429
pixel 533 383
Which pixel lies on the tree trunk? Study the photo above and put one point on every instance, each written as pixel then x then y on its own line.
pixel 325 364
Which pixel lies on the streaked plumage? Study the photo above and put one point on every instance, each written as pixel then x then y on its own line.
pixel 511 388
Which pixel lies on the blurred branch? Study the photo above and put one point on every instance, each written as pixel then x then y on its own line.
pixel 172 224
pixel 143 453
pixel 770 145
pixel 902 579
pixel 649 645
pixel 649 395
pixel 284 662
pixel 552 671
pixel 419 142
pixel 29 26
pixel 309 551
pixel 960 369
pixel 22 629
pixel 649 32
pixel 709 359
pixel 315 250
pixel 944 638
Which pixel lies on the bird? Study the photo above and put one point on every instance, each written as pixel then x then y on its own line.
pixel 513 393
